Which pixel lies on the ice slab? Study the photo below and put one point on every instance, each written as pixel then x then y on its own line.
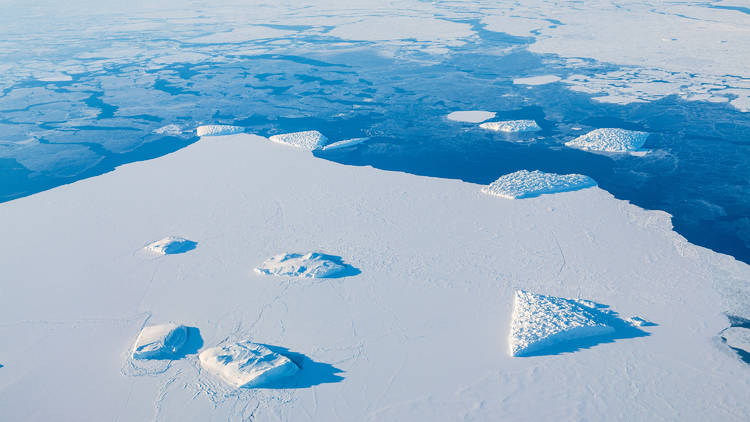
pixel 539 322
pixel 309 140
pixel 737 338
pixel 171 245
pixel 310 265
pixel 246 364
pixel 171 129
pixel 536 80
pixel 217 130
pixel 471 116
pixel 512 126
pixel 528 184
pixel 162 341
pixel 610 140
pixel 345 143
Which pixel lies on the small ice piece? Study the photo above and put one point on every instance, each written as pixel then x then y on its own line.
pixel 217 130
pixel 528 184
pixel 160 341
pixel 539 322
pixel 512 126
pixel 345 143
pixel 471 116
pixel 308 140
pixel 171 245
pixel 246 364
pixel 310 265
pixel 536 80
pixel 737 338
pixel 610 140
pixel 171 129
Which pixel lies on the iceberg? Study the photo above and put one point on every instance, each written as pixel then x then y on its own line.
pixel 171 245
pixel 345 143
pixel 160 341
pixel 737 338
pixel 217 130
pixel 528 184
pixel 310 140
pixel 512 126
pixel 472 116
pixel 610 140
pixel 246 364
pixel 310 265
pixel 539 322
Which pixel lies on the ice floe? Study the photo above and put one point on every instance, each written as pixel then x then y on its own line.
pixel 610 140
pixel 345 143
pixel 217 130
pixel 171 129
pixel 162 341
pixel 171 245
pixel 471 116
pixel 512 126
pixel 528 184
pixel 309 140
pixel 737 338
pixel 310 265
pixel 536 80
pixel 539 322
pixel 246 364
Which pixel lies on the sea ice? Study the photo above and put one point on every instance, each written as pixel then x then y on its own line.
pixel 472 116
pixel 246 364
pixel 310 140
pixel 171 129
pixel 160 341
pixel 171 245
pixel 311 265
pixel 539 322
pixel 528 184
pixel 737 338
pixel 610 140
pixel 345 143
pixel 512 126
pixel 536 80
pixel 217 130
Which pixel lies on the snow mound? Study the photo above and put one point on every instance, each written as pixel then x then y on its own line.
pixel 309 140
pixel 246 364
pixel 513 126
pixel 345 143
pixel 737 338
pixel 171 245
pixel 528 184
pixel 160 341
pixel 540 321
pixel 471 116
pixel 171 129
pixel 217 130
pixel 310 265
pixel 610 140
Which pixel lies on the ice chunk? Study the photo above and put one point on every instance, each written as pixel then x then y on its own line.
pixel 246 364
pixel 309 140
pixel 528 184
pixel 160 341
pixel 345 143
pixel 512 126
pixel 539 322
pixel 312 265
pixel 171 129
pixel 737 338
pixel 217 130
pixel 536 80
pixel 171 245
pixel 472 116
pixel 610 140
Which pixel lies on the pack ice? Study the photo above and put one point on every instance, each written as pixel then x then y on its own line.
pixel 171 245
pixel 309 140
pixel 470 116
pixel 528 184
pixel 539 322
pixel 610 140
pixel 512 126
pixel 162 341
pixel 246 364
pixel 217 130
pixel 310 265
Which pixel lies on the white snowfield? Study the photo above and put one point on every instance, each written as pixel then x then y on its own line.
pixel 309 265
pixel 737 337
pixel 540 321
pixel 217 130
pixel 346 143
pixel 160 341
pixel 246 364
pixel 512 126
pixel 529 184
pixel 309 140
pixel 170 245
pixel 471 116
pixel 610 140
pixel 440 264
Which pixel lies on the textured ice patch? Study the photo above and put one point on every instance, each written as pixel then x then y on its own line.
pixel 160 341
pixel 171 129
pixel 637 321
pixel 610 140
pixel 737 338
pixel 217 130
pixel 310 265
pixel 472 116
pixel 345 143
pixel 512 126
pixel 171 245
pixel 246 364
pixel 539 322
pixel 528 184
pixel 536 80
pixel 309 140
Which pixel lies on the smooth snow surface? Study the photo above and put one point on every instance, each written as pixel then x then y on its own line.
pixel 512 126
pixel 308 140
pixel 345 143
pixel 472 116
pixel 160 341
pixel 529 184
pixel 536 80
pixel 216 130
pixel 310 265
pixel 246 364
pixel 540 321
pixel 610 140
pixel 737 338
pixel 171 245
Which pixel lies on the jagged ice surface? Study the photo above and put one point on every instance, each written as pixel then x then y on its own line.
pixel 246 364
pixel 309 265
pixel 216 130
pixel 610 140
pixel 512 126
pixel 309 140
pixel 528 184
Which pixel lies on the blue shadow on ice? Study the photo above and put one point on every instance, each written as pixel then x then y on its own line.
pixel 311 373
pixel 734 321
pixel 193 343
pixel 348 271
pixel 180 247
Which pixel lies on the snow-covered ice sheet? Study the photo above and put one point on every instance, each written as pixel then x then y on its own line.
pixel 512 126
pixel 309 140
pixel 309 265
pixel 171 245
pixel 246 364
pixel 161 341
pixel 471 116
pixel 610 140
pixel 529 184
pixel 216 130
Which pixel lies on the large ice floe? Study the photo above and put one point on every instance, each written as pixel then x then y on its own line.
pixel 539 322
pixel 171 245
pixel 309 265
pixel 162 341
pixel 512 126
pixel 610 140
pixel 217 130
pixel 246 364
pixel 528 184
pixel 470 116
pixel 309 140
